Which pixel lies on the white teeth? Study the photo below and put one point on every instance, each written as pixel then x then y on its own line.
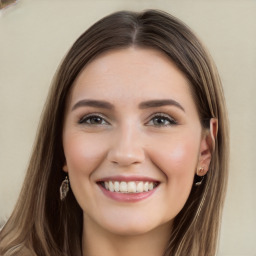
pixel 106 185
pixel 129 187
pixel 146 186
pixel 116 186
pixel 139 187
pixel 111 186
pixel 123 187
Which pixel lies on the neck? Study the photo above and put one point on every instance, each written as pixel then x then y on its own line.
pixel 97 241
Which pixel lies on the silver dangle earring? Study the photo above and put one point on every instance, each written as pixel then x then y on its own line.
pixel 64 188
pixel 199 179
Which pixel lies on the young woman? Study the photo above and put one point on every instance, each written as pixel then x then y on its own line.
pixel 131 154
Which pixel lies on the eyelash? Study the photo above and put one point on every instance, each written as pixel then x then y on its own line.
pixel 84 119
pixel 171 121
pixel 164 117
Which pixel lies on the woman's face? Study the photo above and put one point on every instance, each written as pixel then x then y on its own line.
pixel 132 141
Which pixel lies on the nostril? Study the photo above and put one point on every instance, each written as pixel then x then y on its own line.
pixel 126 147
pixel 126 157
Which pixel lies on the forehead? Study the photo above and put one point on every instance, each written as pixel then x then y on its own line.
pixel 131 73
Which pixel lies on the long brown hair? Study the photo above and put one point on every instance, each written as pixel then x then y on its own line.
pixel 41 224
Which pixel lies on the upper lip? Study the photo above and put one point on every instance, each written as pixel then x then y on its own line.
pixel 127 178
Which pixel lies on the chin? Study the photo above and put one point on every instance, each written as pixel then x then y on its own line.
pixel 135 227
pixel 128 231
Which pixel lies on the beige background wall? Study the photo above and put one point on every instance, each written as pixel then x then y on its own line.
pixel 34 36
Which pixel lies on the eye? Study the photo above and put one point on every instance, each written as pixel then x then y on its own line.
pixel 161 119
pixel 93 120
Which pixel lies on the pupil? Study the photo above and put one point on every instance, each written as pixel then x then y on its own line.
pixel 159 121
pixel 96 120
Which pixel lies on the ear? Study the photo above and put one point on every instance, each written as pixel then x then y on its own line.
pixel 65 167
pixel 207 147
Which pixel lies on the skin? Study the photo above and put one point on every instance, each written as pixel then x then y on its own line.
pixel 130 140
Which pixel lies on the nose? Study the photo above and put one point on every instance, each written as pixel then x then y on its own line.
pixel 126 148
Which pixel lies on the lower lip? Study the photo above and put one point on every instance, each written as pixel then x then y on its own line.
pixel 127 197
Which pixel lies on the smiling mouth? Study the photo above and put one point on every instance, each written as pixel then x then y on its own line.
pixel 128 187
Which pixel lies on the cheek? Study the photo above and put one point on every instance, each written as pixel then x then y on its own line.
pixel 177 156
pixel 83 156
pixel 83 153
pixel 177 159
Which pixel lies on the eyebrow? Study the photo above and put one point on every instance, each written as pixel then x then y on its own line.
pixel 142 105
pixel 160 103
pixel 93 103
